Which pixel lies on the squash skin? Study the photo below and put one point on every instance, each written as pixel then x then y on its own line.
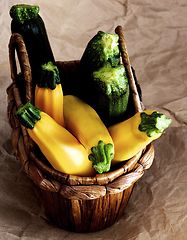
pixel 110 94
pixel 51 102
pixel 84 123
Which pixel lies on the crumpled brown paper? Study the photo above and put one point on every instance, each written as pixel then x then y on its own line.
pixel 156 36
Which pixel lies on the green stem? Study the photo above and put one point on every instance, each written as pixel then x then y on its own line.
pixel 48 76
pixel 153 123
pixel 101 156
pixel 28 115
pixel 23 12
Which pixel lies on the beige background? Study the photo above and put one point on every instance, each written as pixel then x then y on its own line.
pixel 156 36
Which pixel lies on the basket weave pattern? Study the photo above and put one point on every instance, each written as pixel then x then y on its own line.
pixel 82 204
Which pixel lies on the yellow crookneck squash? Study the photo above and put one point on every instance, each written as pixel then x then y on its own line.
pixel 85 124
pixel 65 153
pixel 49 92
pixel 135 133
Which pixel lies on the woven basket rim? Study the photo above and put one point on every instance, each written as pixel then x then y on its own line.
pixel 48 178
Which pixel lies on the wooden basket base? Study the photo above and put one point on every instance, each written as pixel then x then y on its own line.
pixel 85 215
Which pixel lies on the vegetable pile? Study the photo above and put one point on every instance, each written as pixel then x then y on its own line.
pixel 88 132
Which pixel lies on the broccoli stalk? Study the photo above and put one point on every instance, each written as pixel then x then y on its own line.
pixel 101 156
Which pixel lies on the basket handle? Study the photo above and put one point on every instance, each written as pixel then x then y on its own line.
pixel 127 65
pixel 17 43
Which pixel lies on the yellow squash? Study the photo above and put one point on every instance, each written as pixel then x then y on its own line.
pixel 135 133
pixel 51 102
pixel 65 153
pixel 49 93
pixel 85 124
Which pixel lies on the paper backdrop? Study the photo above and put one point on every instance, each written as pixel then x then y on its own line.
pixel 156 37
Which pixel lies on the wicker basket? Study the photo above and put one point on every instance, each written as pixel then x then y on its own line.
pixel 81 204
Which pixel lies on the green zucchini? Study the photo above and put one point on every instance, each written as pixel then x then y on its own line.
pixel 102 79
pixel 103 47
pixel 109 93
pixel 28 23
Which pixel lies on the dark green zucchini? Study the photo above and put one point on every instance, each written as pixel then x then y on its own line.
pixel 102 80
pixel 103 47
pixel 27 22
pixel 108 93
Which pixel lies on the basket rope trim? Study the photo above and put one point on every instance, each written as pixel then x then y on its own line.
pixel 44 176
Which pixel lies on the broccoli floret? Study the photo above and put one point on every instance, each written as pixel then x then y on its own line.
pixel 103 47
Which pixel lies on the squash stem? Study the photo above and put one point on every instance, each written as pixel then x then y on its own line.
pixel 101 156
pixel 153 123
pixel 28 115
pixel 48 76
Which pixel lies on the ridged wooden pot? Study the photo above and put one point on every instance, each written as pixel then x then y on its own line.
pixel 81 204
